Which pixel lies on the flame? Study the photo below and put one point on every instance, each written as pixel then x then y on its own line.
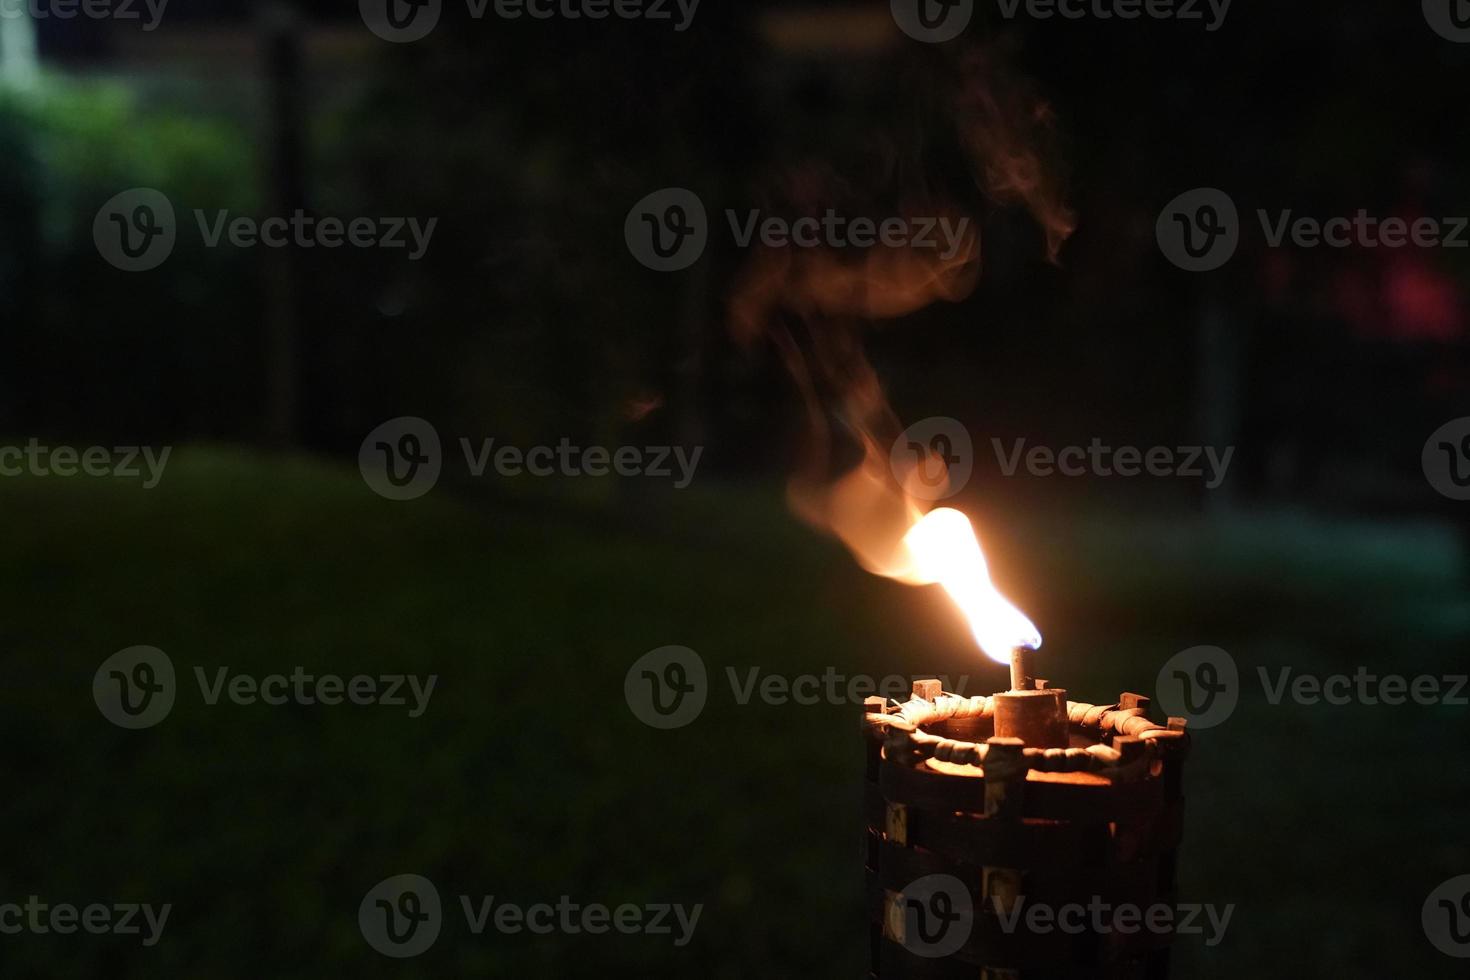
pixel 888 532
pixel 944 549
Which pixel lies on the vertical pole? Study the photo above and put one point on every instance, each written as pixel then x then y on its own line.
pixel 1005 783
pixel 285 192
pixel 19 63
pixel 1218 388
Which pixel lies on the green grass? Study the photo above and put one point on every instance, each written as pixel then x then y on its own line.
pixel 528 778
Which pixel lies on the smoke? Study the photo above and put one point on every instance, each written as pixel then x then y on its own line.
pixel 816 305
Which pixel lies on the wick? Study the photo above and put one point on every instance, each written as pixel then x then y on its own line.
pixel 1021 677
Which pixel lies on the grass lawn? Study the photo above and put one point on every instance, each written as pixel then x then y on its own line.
pixel 528 778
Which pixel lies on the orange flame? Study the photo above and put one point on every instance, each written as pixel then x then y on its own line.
pixel 890 535
pixel 943 548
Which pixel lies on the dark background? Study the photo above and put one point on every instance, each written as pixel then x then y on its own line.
pixel 528 320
